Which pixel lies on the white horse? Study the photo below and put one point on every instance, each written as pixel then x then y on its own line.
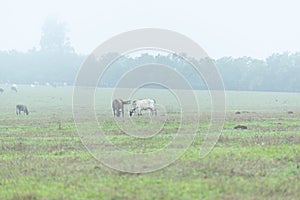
pixel 14 88
pixel 143 104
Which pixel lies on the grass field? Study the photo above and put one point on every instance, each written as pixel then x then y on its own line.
pixel 42 156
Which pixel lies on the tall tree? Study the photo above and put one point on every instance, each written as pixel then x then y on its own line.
pixel 54 38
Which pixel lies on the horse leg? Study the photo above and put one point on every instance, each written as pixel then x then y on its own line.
pixel 139 112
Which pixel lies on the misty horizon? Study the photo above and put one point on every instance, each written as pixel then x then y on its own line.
pixel 232 28
pixel 255 46
pixel 62 28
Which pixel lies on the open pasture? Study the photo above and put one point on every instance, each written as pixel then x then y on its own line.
pixel 42 156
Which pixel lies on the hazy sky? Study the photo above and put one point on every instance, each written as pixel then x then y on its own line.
pixel 254 28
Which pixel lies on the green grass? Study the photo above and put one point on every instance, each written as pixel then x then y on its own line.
pixel 42 156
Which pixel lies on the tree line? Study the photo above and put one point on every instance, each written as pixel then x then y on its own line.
pixel 278 72
pixel 55 61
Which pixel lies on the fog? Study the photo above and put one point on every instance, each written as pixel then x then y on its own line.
pixel 223 28
pixel 253 44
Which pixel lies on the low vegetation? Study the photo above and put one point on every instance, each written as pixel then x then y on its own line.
pixel 42 156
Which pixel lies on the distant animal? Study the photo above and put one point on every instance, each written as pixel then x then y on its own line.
pixel 240 127
pixel 143 104
pixel 238 112
pixel 290 112
pixel 21 108
pixel 14 88
pixel 1 90
pixel 118 107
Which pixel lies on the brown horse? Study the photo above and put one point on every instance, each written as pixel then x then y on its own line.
pixel 118 107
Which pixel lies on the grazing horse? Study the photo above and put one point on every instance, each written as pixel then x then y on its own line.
pixel 1 90
pixel 118 107
pixel 143 104
pixel 21 108
pixel 14 88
